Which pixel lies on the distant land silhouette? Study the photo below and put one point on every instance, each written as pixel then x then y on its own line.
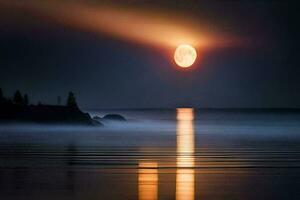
pixel 19 109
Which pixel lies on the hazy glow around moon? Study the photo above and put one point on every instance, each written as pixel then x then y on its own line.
pixel 185 55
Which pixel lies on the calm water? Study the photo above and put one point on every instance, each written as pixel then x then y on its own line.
pixel 180 154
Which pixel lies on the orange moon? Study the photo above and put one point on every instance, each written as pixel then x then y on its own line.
pixel 185 55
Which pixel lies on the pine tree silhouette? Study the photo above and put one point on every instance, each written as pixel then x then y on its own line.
pixel 71 102
pixel 18 99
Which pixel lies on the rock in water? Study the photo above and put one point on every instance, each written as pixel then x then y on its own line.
pixel 115 117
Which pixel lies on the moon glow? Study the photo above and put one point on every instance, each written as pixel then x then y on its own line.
pixel 185 55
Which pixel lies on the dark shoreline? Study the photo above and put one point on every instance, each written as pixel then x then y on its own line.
pixel 45 114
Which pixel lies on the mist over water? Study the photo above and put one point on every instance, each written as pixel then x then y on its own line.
pixel 156 154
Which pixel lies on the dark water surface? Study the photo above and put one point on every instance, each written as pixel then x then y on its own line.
pixel 180 154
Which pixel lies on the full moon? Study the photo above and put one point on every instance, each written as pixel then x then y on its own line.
pixel 185 55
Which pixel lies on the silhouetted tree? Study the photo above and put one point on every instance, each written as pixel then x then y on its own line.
pixel 25 100
pixel 71 102
pixel 18 99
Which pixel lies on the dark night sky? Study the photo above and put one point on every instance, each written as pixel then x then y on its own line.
pixel 46 59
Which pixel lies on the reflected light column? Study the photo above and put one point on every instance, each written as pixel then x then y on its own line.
pixel 185 178
pixel 148 181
